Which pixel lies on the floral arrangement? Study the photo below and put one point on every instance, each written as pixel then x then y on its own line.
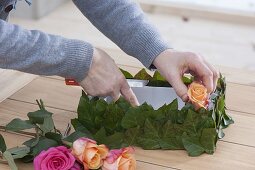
pixel 105 132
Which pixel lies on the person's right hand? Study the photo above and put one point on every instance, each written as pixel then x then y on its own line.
pixel 173 64
pixel 105 79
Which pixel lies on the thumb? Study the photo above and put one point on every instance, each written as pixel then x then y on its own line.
pixel 128 94
pixel 180 88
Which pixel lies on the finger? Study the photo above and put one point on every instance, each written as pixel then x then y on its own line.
pixel 175 79
pixel 116 95
pixel 203 72
pixel 215 74
pixel 128 94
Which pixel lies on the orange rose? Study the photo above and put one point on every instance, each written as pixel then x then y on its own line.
pixel 89 153
pixel 198 95
pixel 120 159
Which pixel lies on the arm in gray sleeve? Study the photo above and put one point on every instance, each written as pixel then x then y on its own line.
pixel 125 24
pixel 43 54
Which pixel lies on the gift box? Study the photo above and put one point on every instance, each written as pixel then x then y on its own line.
pixel 155 96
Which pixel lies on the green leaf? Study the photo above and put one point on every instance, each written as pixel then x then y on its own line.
pixel 19 152
pixel 123 104
pixel 136 116
pixel 158 81
pixel 187 80
pixel 113 141
pixel 173 143
pixel 86 115
pixel 221 104
pixel 2 144
pixel 126 74
pixel 8 156
pixel 32 142
pixel 148 143
pixel 142 75
pixel 39 116
pixel 131 136
pixel 43 144
pixel 27 159
pixel 208 139
pixel 192 145
pixel 76 135
pixel 54 136
pixel 112 119
pixel 18 124
pixel 151 130
pixel 80 128
pixel 48 125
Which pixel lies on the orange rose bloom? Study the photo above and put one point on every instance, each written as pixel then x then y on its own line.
pixel 89 153
pixel 198 95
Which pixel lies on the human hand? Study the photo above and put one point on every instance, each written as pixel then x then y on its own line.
pixel 105 79
pixel 173 64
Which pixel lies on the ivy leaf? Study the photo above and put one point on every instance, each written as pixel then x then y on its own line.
pixel 136 116
pixel 208 139
pixel 8 156
pixel 158 81
pixel 123 104
pixel 112 118
pixel 142 75
pixel 187 80
pixel 113 141
pixel 192 145
pixel 18 124
pixel 173 143
pixel 86 114
pixel 2 144
pixel 80 128
pixel 126 74
pixel 131 135
pixel 148 143
pixel 150 139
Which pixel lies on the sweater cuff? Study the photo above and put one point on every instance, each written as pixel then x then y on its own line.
pixel 79 56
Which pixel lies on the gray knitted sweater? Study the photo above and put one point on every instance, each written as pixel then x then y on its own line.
pixel 39 53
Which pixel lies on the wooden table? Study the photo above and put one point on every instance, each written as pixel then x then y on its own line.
pixel 235 151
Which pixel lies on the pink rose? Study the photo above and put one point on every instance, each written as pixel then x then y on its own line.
pixel 55 158
pixel 89 153
pixel 120 159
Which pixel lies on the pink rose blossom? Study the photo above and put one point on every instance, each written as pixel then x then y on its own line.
pixel 120 159
pixel 55 158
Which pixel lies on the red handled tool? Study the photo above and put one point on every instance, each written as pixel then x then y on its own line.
pixel 71 82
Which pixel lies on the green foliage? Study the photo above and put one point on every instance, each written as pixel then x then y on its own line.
pixel 166 128
pixel 46 135
pixel 2 144
pixel 157 80
pixel 126 74
pixel 18 124
pixel 142 75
